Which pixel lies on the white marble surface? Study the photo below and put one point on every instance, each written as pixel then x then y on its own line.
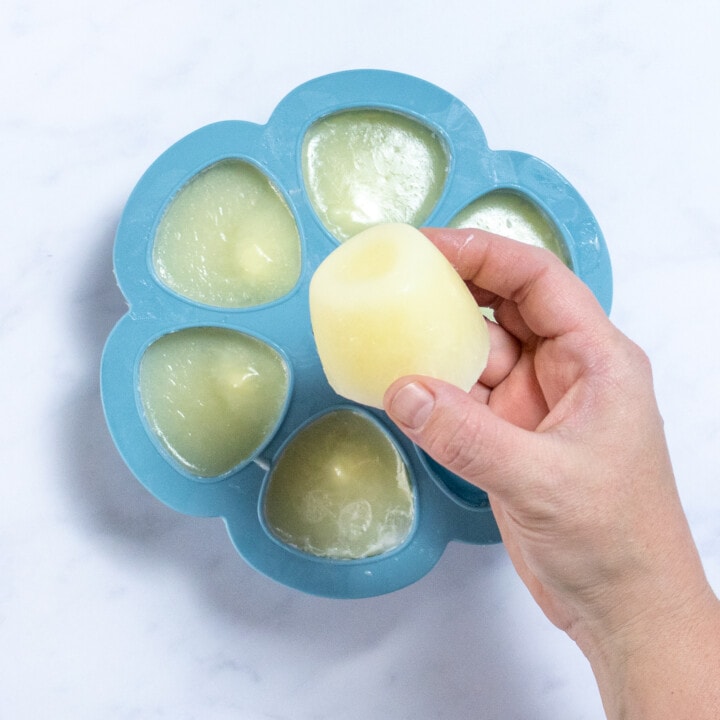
pixel 113 606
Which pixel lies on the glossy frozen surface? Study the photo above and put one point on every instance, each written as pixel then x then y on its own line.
pixel 211 396
pixel 340 489
pixel 228 239
pixel 509 213
pixel 364 167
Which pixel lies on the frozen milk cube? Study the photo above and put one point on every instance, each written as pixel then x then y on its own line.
pixel 387 303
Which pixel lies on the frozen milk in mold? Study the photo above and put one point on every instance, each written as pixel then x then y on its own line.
pixel 367 166
pixel 340 489
pixel 228 239
pixel 211 383
pixel 514 215
pixel 212 396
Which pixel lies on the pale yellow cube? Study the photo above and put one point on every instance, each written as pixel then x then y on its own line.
pixel 387 303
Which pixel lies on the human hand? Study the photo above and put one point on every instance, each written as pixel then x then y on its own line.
pixel 563 433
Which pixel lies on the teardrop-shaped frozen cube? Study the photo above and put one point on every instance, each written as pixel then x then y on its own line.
pixel 228 239
pixel 340 489
pixel 369 166
pixel 514 215
pixel 212 396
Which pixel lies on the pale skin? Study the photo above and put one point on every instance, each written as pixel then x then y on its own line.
pixel 563 432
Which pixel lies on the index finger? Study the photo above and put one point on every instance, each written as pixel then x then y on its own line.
pixel 549 297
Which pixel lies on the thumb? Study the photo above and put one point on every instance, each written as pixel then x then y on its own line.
pixel 464 434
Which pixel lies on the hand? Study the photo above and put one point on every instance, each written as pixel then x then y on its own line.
pixel 563 433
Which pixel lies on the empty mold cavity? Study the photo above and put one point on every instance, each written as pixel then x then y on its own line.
pixel 509 213
pixel 340 489
pixel 228 239
pixel 369 166
pixel 457 486
pixel 212 396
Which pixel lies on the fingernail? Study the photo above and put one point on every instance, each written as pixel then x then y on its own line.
pixel 412 405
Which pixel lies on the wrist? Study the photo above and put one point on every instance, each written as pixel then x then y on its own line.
pixel 663 663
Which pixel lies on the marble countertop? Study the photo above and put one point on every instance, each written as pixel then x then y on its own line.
pixel 113 606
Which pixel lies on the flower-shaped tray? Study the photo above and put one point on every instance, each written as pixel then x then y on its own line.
pixel 338 154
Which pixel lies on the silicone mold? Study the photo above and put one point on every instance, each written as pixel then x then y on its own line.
pixel 444 507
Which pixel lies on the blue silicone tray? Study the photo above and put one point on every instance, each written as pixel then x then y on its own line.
pixel 446 507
